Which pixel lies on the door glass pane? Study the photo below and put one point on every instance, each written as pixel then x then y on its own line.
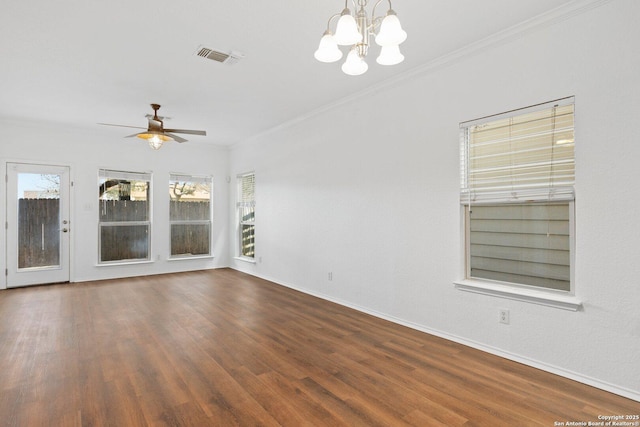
pixel 38 220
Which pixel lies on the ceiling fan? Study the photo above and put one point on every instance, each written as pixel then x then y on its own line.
pixel 156 134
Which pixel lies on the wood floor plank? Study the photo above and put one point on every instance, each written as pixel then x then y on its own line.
pixel 222 348
pixel 280 411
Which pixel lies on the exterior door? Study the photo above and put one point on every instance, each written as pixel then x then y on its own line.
pixel 38 226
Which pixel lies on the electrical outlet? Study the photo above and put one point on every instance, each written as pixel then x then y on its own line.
pixel 330 276
pixel 504 316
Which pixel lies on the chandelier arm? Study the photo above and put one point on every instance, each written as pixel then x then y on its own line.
pixel 375 21
pixel 373 12
pixel 330 19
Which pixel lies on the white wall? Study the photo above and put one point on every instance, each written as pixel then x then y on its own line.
pixel 86 151
pixel 368 190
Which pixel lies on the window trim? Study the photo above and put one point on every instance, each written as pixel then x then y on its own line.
pixel 239 222
pixel 245 259
pixel 531 294
pixel 120 174
pixel 521 292
pixel 173 176
pixel 541 297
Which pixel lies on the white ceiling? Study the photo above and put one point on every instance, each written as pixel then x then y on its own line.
pixel 80 62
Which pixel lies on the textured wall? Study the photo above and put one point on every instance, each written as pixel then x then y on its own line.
pixel 368 190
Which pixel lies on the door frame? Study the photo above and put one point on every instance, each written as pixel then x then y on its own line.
pixel 4 194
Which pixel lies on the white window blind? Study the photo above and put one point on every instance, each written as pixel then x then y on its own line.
pixel 194 179
pixel 517 177
pixel 105 174
pixel 528 156
pixel 247 190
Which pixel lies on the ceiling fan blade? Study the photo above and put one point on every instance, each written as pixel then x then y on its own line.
pixel 156 127
pixel 122 126
pixel 175 137
pixel 187 131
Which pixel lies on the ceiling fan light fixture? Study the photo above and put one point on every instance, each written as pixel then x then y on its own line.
pixel 155 139
pixel 156 134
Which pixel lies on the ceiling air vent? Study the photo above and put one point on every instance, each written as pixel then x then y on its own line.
pixel 223 57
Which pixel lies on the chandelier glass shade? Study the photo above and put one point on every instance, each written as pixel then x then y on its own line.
pixel 355 31
pixel 390 55
pixel 328 50
pixel 354 65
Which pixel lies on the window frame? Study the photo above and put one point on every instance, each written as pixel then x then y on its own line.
pixel 516 291
pixel 104 173
pixel 240 205
pixel 183 177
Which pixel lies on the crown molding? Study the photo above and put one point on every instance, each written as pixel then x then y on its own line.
pixel 522 29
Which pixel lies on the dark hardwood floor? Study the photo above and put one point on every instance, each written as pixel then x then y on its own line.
pixel 223 348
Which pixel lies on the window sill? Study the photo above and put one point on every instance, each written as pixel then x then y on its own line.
pixel 183 257
pixel 245 259
pixel 550 299
pixel 119 263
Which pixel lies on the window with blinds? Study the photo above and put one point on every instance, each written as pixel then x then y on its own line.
pixel 517 177
pixel 190 215
pixel 246 214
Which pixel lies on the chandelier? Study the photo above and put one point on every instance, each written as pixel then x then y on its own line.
pixel 355 31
